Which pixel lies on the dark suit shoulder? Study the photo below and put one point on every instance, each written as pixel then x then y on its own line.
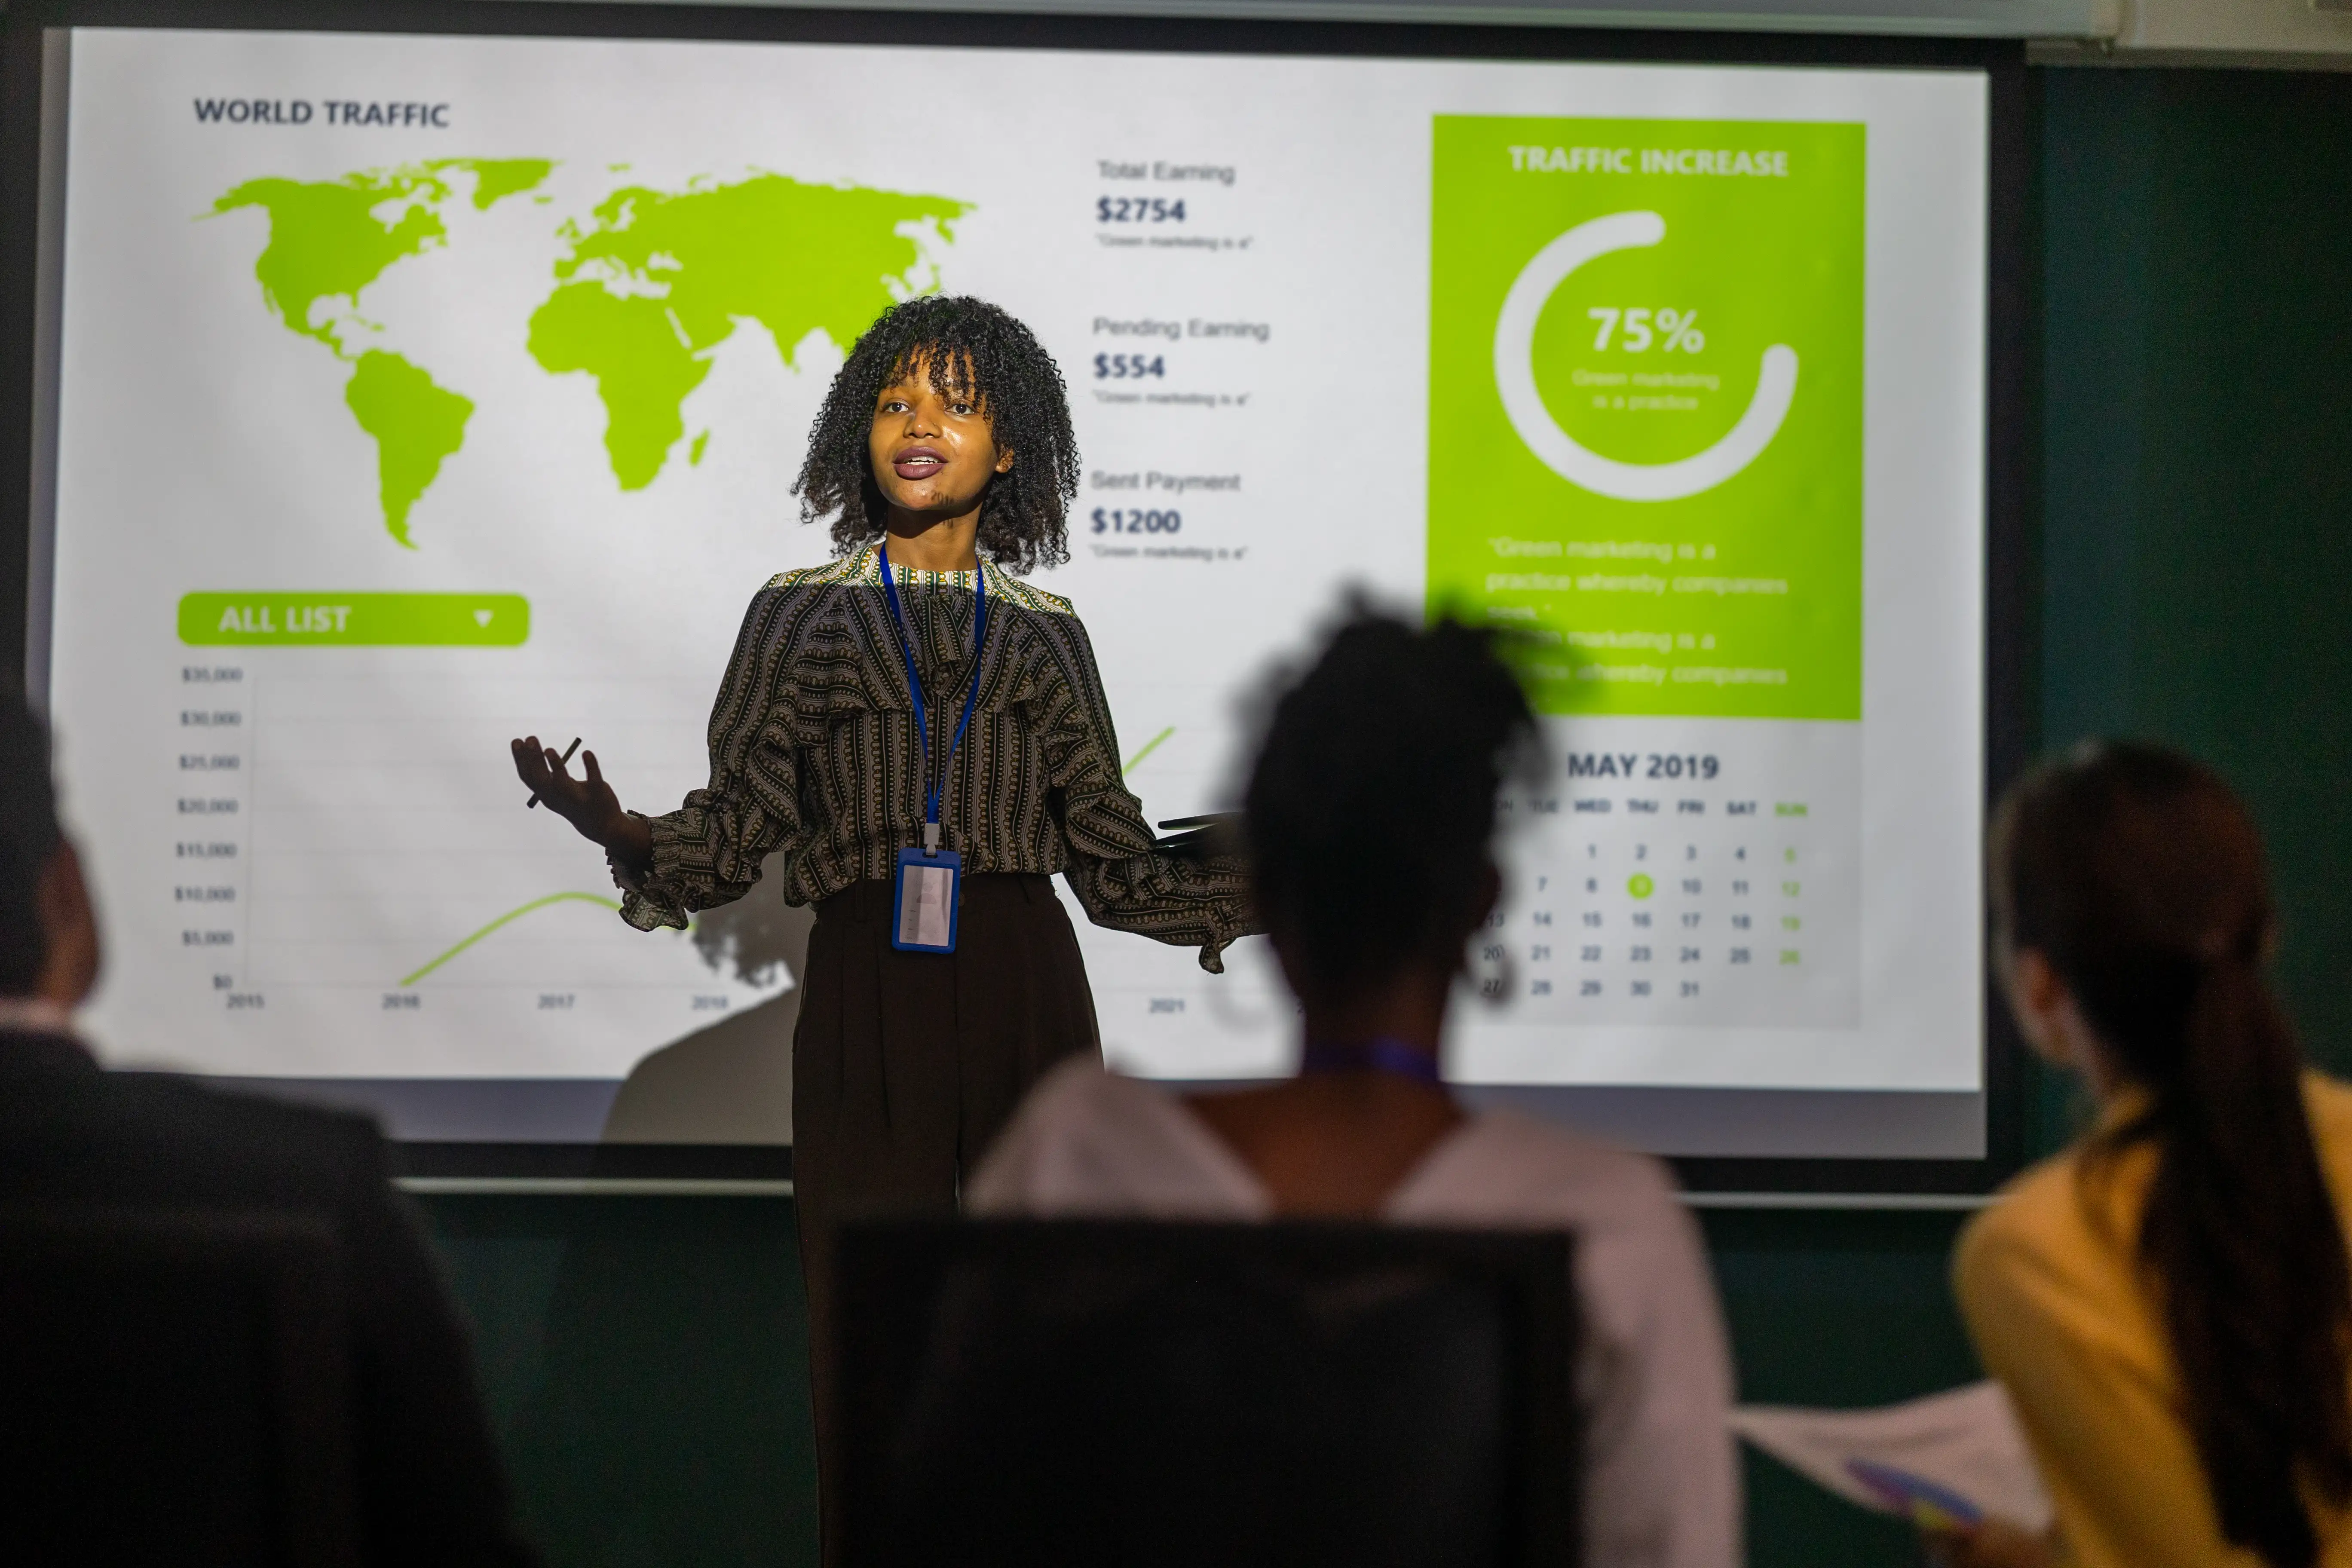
pixel 135 1137
pixel 429 1483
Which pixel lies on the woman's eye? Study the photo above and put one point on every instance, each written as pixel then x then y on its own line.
pixel 959 409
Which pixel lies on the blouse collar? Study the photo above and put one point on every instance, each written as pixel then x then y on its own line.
pixel 869 571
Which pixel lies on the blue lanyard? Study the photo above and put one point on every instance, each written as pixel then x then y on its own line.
pixel 915 686
pixel 1381 1054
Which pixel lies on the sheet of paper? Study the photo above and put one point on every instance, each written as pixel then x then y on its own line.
pixel 1965 1443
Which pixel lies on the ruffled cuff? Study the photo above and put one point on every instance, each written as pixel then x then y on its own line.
pixel 1230 920
pixel 660 897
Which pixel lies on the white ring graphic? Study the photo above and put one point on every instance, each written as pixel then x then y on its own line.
pixel 1515 378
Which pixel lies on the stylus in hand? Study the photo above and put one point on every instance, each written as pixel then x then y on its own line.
pixel 533 801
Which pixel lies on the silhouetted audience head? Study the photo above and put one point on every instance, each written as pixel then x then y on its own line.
pixel 29 839
pixel 49 938
pixel 2129 882
pixel 1371 809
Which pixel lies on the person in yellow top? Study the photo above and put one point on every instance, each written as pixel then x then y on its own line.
pixel 2167 1302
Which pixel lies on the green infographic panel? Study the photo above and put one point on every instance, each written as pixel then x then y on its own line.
pixel 1645 408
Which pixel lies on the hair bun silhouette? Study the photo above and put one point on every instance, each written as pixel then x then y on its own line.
pixel 1371 803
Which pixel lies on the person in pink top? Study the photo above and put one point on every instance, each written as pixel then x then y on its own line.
pixel 1370 812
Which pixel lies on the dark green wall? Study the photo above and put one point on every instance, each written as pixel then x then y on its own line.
pixel 2198 489
pixel 643 1356
pixel 646 1363
pixel 642 1359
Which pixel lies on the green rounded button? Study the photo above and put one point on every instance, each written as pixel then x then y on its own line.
pixel 361 620
pixel 1641 886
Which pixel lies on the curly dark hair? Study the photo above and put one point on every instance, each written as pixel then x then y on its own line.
pixel 1371 809
pixel 970 345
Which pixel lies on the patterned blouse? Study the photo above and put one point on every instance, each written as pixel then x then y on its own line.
pixel 813 753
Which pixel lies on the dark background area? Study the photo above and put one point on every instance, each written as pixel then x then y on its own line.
pixel 643 1356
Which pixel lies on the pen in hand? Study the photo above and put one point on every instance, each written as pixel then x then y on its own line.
pixel 533 801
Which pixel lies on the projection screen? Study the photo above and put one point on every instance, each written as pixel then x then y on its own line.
pixel 411 392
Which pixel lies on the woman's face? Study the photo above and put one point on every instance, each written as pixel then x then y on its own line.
pixel 933 452
pixel 2048 1015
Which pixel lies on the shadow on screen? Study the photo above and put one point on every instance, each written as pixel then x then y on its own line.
pixel 732 1082
pixel 1140 1393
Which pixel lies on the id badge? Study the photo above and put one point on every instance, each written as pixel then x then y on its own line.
pixel 926 900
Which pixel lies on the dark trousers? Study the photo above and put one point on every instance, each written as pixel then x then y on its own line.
pixel 904 1067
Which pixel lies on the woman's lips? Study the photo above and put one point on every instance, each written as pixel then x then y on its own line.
pixel 919 463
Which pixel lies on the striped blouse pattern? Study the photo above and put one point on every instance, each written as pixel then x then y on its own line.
pixel 813 753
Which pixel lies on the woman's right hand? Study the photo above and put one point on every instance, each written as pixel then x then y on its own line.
pixel 588 804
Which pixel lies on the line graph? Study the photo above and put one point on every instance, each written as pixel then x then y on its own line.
pixel 519 910
pixel 508 918
pixel 1150 746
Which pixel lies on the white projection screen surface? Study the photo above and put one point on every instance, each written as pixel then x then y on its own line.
pixel 416 392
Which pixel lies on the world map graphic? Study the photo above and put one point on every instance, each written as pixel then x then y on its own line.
pixel 648 285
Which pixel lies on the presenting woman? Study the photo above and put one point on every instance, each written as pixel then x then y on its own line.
pixel 923 740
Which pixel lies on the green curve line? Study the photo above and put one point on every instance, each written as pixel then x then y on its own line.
pixel 509 917
pixel 1149 747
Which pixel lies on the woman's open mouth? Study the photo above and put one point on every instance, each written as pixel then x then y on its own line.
pixel 918 462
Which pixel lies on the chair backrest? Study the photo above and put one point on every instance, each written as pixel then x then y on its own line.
pixel 1178 1395
pixel 173 1391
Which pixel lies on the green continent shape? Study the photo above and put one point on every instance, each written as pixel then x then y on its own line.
pixel 630 344
pixel 495 178
pixel 416 425
pixel 327 242
pixel 659 279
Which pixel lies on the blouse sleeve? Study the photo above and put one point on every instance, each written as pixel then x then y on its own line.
pixel 709 851
pixel 1121 881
